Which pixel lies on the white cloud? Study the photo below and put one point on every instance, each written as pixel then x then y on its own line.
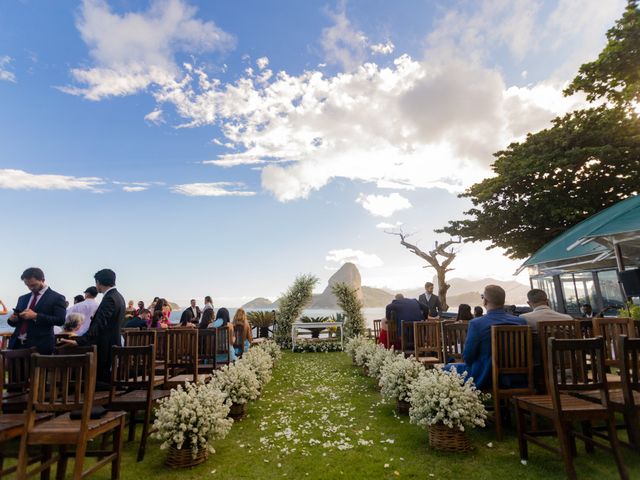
pixel 155 117
pixel 262 63
pixel 343 45
pixel 134 189
pixel 13 179
pixel 386 48
pixel 383 205
pixel 134 51
pixel 365 260
pixel 388 226
pixel 5 73
pixel 215 189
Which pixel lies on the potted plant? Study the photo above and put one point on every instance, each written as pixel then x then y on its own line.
pixel 315 332
pixel 262 321
pixel 260 363
pixel 352 345
pixel 396 376
pixel 188 420
pixel 239 384
pixel 447 403
pixel 376 360
pixel 272 348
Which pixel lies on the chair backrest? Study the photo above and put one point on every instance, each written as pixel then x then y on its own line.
pixel 576 365
pixel 240 337
pixel 454 336
pixel 636 327
pixel 181 351
pixel 16 370
pixel 74 349
pixel 406 337
pixel 377 326
pixel 426 338
pixel 555 329
pixel 207 346
pixel 161 344
pixel 139 338
pixel 609 329
pixel 133 368
pixel 511 354
pixel 629 349
pixel 392 332
pixel 4 340
pixel 222 345
pixel 62 383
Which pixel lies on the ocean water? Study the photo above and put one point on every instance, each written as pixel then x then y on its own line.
pixel 370 314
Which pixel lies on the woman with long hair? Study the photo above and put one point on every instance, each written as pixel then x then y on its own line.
pixel 222 321
pixel 240 319
pixel 464 313
pixel 156 320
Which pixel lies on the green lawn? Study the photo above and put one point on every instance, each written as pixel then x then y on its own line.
pixel 320 417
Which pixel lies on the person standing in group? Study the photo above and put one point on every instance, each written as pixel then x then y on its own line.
pixel 87 308
pixel 36 314
pixel 431 301
pixel 104 331
pixel 240 319
pixel 191 315
pixel 166 311
pixel 139 309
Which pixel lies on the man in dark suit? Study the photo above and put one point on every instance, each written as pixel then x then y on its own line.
pixel 36 314
pixel 431 301
pixel 191 314
pixel 104 331
pixel 404 309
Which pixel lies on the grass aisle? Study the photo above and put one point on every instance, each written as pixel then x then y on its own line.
pixel 320 418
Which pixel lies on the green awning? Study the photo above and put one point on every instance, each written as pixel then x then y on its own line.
pixel 588 244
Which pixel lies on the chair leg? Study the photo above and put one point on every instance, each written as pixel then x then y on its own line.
pixel 117 449
pixel 632 422
pixel 586 430
pixel 145 434
pixel 23 458
pixel 521 426
pixel 81 451
pixel 565 448
pixel 46 456
pixel 615 448
pixel 497 413
pixel 132 426
pixel 61 471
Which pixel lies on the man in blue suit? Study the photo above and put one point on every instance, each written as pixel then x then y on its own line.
pixel 36 314
pixel 408 310
pixel 477 348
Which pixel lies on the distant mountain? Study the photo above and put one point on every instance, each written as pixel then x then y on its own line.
pixel 461 291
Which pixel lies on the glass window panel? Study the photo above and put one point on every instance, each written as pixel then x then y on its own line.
pixel 569 292
pixel 610 289
pixel 586 288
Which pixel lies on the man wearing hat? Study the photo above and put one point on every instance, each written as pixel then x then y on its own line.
pixel 87 309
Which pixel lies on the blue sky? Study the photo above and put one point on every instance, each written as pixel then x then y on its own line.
pixel 222 148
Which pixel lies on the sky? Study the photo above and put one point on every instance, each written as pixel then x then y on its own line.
pixel 223 148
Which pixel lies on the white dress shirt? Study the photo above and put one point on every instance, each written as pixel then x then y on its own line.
pixel 87 308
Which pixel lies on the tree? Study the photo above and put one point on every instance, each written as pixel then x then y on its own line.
pixel 351 305
pixel 291 306
pixel 615 75
pixel 440 265
pixel 587 161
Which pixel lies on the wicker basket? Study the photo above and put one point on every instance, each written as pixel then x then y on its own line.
pixel 365 370
pixel 402 407
pixel 238 410
pixel 448 439
pixel 181 458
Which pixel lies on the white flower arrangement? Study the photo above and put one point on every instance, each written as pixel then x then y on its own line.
pixel 353 344
pixel 238 382
pixel 320 346
pixel 260 363
pixel 192 416
pixel 396 376
pixel 447 397
pixel 376 360
pixel 364 352
pixel 272 349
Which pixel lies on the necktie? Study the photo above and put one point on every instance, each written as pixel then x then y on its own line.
pixel 25 324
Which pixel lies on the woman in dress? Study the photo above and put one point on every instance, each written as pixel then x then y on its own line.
pixel 156 320
pixel 240 319
pixel 166 311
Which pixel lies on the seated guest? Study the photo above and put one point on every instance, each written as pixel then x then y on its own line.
pixel 477 348
pixel 240 319
pixel 477 311
pixel 383 339
pixel 140 308
pixel 87 308
pixel 130 311
pixel 156 320
pixel 407 310
pixel 222 321
pixel 464 313
pixel 141 321
pixel 71 324
pixel 207 318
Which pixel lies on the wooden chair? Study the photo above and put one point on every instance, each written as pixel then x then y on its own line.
pixel 60 385
pixel 426 340
pixel 392 333
pixel 609 329
pixel 133 372
pixel 14 382
pixel 377 326
pixel 563 409
pixel 511 355
pixel 406 337
pixel 181 358
pixel 206 350
pixel 4 340
pixel 454 336
pixel 586 327
pixel 223 350
pixel 562 329
pixel 139 338
pixel 629 404
pixel 636 328
pixel 161 349
pixel 239 338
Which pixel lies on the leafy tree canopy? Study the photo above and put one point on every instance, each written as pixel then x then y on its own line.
pixel 589 159
pixel 615 75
